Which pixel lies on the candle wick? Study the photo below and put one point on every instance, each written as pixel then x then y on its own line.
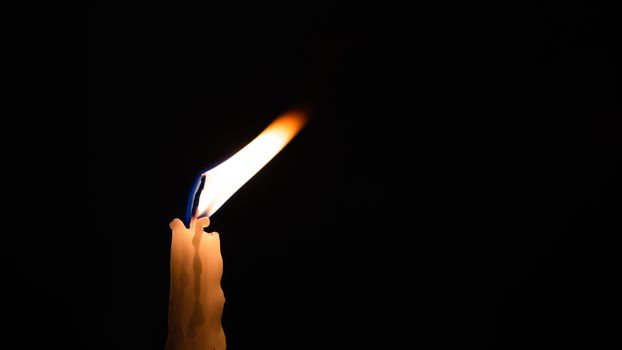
pixel 193 201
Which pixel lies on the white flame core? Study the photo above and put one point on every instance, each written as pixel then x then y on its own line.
pixel 225 179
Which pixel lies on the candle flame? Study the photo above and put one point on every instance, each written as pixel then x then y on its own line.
pixel 221 182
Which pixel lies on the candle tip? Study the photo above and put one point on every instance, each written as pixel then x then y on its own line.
pixel 192 210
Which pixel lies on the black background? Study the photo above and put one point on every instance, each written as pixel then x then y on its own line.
pixel 456 185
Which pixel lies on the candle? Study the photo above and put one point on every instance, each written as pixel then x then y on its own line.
pixel 196 299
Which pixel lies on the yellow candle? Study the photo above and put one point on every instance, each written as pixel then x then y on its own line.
pixel 196 299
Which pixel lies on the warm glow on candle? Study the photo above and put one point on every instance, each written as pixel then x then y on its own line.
pixel 225 179
pixel 196 299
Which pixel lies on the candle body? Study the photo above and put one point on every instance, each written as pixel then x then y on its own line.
pixel 196 299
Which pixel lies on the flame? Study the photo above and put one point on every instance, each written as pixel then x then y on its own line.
pixel 221 182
